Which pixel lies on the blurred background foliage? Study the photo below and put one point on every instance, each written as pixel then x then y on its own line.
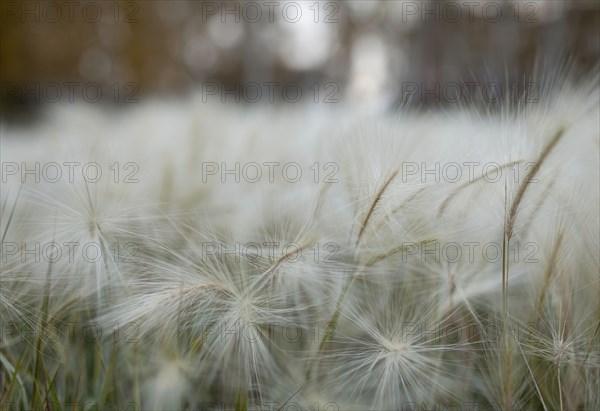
pixel 368 48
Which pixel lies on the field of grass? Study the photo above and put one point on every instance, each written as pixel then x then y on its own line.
pixel 207 257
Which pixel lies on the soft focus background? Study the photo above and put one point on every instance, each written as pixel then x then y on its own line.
pixel 371 52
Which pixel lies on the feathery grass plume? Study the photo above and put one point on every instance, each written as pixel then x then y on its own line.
pixel 390 351
pixel 85 234
pixel 300 251
pixel 216 306
pixel 562 347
